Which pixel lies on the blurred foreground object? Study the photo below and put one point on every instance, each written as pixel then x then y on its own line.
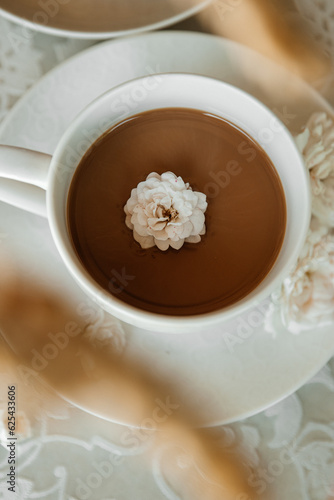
pixel 265 26
pixel 197 469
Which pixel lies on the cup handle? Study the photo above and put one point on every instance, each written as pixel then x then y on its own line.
pixel 23 178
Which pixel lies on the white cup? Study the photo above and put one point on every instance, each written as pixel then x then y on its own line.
pixel 54 174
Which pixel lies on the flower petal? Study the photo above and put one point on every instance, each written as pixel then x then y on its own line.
pixel 197 219
pixel 144 241
pixel 193 239
pixel 162 245
pixel 177 244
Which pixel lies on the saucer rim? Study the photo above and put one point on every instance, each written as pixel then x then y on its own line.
pixel 103 35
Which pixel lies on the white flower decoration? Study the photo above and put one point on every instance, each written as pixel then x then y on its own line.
pixel 316 144
pixel 306 298
pixel 164 211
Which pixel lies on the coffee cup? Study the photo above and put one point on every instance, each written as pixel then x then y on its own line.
pixel 40 183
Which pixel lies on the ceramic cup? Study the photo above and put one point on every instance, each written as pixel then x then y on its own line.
pixel 25 173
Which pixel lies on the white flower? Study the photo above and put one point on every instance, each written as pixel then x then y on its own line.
pixel 316 144
pixel 306 298
pixel 164 211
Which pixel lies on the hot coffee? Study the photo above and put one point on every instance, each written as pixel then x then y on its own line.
pixel 245 218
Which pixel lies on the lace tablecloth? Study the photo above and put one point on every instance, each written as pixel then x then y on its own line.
pixel 62 453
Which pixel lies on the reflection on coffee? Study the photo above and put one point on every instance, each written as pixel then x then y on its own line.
pixel 245 218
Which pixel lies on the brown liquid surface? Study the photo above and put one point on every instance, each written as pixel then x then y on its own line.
pixel 245 218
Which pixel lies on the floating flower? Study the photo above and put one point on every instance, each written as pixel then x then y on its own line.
pixel 164 211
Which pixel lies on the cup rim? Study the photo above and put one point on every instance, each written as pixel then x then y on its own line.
pixel 103 35
pixel 137 316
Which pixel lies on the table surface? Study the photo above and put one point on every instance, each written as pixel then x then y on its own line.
pixel 63 445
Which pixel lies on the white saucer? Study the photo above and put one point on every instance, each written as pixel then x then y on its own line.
pixel 98 19
pixel 226 374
